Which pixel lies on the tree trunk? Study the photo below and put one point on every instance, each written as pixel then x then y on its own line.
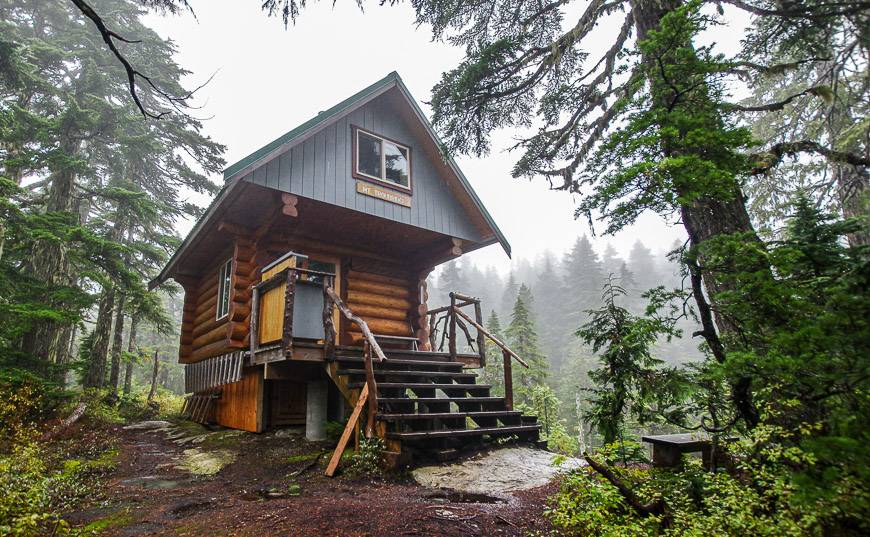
pixel 154 377
pixel 131 350
pixel 704 218
pixel 96 373
pixel 50 264
pixel 117 343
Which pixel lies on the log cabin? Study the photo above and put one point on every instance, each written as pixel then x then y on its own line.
pixel 305 293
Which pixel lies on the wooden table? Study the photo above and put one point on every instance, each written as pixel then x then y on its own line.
pixel 668 448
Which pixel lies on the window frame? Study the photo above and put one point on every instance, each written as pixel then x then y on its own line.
pixel 228 266
pixel 357 174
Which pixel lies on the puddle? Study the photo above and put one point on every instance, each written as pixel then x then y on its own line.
pixel 154 482
pixel 458 496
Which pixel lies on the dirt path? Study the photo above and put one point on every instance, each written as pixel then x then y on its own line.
pixel 260 491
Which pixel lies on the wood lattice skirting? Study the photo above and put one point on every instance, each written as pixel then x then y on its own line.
pixel 214 372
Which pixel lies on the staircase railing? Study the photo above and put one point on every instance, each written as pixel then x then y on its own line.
pixel 369 392
pixel 370 348
pixel 454 317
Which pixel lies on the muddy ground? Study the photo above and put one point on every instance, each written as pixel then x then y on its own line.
pixel 186 480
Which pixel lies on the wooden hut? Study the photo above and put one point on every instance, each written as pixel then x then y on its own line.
pixel 305 285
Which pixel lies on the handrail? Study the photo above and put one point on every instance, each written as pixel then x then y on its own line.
pixel 370 344
pixel 339 303
pixel 494 339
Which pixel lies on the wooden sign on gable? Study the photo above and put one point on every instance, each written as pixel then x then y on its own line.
pixel 368 189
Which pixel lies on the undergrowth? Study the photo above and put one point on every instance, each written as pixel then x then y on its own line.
pixel 368 460
pixel 43 476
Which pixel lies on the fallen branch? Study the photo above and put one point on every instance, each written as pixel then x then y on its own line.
pixel 76 415
pixel 656 507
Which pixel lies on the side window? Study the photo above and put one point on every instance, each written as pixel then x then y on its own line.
pixel 224 282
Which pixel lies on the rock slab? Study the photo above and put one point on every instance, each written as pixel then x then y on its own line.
pixel 498 471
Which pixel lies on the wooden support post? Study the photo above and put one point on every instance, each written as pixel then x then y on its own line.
pixel 352 424
pixel 452 322
pixel 289 295
pixel 254 329
pixel 508 381
pixel 373 390
pixel 481 342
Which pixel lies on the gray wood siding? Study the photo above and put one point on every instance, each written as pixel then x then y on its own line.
pixel 320 168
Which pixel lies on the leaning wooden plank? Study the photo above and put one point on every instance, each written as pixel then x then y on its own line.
pixel 348 431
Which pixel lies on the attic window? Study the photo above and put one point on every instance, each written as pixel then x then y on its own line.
pixel 381 159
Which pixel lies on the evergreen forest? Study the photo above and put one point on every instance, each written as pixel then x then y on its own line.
pixel 752 333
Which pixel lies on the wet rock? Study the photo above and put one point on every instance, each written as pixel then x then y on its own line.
pixel 148 426
pixel 503 470
pixel 199 462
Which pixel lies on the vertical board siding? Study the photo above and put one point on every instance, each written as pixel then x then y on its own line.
pixel 320 167
pixel 241 401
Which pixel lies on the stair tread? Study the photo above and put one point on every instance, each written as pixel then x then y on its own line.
pixel 440 399
pixel 450 374
pixel 431 415
pixel 453 386
pixel 457 365
pixel 506 429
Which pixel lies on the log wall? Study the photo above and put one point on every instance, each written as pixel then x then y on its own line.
pixel 385 302
pixel 389 297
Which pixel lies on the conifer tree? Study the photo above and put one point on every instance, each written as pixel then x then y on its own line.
pixel 509 296
pixel 548 307
pixel 582 282
pixel 643 267
pixel 493 373
pixel 522 337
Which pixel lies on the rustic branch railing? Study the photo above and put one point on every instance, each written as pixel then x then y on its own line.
pixel 370 346
pixel 369 392
pixel 451 317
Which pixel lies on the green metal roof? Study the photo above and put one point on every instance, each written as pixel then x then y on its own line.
pixel 250 161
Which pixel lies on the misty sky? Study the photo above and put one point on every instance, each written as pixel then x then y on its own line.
pixel 268 80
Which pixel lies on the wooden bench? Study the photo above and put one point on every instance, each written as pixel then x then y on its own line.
pixel 668 448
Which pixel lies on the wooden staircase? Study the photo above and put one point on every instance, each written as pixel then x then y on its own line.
pixel 429 406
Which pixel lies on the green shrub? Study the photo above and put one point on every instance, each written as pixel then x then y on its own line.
pixel 368 460
pixel 764 494
pixel 37 483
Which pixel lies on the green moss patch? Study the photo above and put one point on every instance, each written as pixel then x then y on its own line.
pixel 199 462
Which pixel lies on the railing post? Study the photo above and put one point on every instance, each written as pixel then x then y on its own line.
pixel 432 338
pixel 289 295
pixel 254 329
pixel 452 333
pixel 373 389
pixel 328 323
pixel 481 342
pixel 508 381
